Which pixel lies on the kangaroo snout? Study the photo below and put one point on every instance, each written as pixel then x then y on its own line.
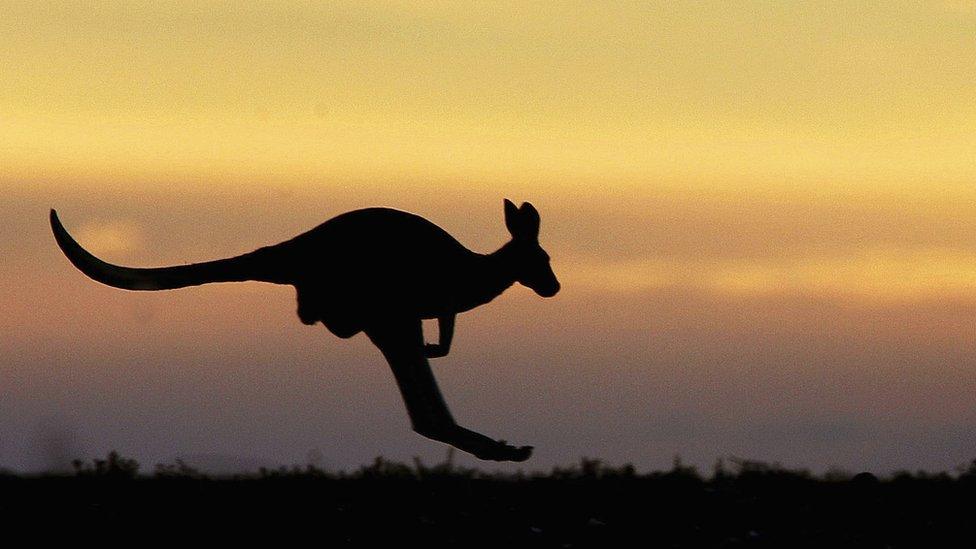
pixel 548 286
pixel 549 291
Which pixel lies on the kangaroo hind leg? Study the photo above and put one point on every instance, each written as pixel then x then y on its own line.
pixel 402 344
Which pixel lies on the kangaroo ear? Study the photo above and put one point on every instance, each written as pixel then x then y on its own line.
pixel 512 218
pixel 530 220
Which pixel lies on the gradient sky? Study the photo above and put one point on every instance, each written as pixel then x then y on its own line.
pixel 763 215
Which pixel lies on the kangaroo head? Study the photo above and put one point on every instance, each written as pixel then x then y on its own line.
pixel 529 261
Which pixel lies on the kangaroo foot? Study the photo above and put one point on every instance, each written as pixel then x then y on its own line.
pixel 488 449
pixel 479 445
pixel 501 451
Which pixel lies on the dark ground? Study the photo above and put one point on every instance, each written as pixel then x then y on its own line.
pixel 590 505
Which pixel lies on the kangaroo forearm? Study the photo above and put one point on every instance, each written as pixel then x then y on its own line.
pixel 446 331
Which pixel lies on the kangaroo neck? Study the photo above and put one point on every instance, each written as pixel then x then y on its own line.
pixel 491 275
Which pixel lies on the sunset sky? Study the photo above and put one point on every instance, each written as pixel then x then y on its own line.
pixel 763 216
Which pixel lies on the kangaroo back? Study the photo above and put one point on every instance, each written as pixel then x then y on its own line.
pixel 258 265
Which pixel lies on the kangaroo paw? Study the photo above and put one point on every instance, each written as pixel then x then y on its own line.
pixel 434 350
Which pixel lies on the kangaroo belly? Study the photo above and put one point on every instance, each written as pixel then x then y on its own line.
pixel 349 311
pixel 342 327
pixel 335 312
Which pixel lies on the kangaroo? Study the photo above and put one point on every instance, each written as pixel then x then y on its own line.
pixel 379 271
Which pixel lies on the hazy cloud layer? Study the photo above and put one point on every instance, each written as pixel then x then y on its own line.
pixel 640 358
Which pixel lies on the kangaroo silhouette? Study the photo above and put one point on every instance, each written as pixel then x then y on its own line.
pixel 379 271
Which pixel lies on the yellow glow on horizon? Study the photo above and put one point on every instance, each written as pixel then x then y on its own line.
pixel 877 275
pixel 115 237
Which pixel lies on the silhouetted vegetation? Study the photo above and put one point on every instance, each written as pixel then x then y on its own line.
pixel 742 503
pixel 114 466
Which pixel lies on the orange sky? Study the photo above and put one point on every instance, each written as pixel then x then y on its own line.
pixel 763 216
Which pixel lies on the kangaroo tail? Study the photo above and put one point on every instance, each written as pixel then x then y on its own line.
pixel 258 265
